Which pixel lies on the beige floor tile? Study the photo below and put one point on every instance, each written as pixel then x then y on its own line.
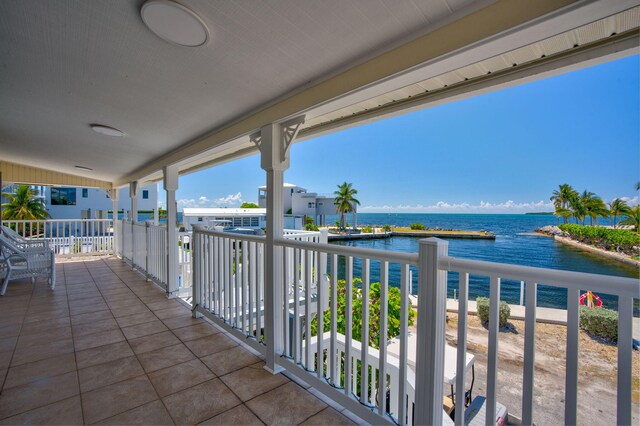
pixel 33 395
pixel 252 381
pixel 172 312
pixel 181 376
pixel 328 416
pixel 193 332
pixel 117 398
pixel 108 373
pixel 164 304
pixel 94 327
pixel 123 302
pixel 40 326
pixel 102 354
pixel 210 344
pixel 8 343
pixel 181 321
pixel 65 412
pixel 152 413
pixel 34 371
pixel 129 310
pixel 201 402
pixel 144 329
pixel 42 351
pixel 46 315
pixel 229 360
pixel 136 319
pixel 239 415
pixel 91 317
pixel 77 310
pixel 9 331
pixel 154 341
pixel 92 294
pixel 287 405
pixel 5 359
pixel 165 357
pixel 53 335
pixel 101 338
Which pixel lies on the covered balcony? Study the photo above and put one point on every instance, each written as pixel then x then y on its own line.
pixel 152 326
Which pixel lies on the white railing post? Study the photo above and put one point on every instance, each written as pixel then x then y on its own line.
pixel 432 303
pixel 196 257
pixel 171 186
pixel 146 250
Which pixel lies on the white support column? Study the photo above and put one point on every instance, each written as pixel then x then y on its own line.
pixel 133 195
pixel 171 186
pixel 113 194
pixel 432 303
pixel 274 141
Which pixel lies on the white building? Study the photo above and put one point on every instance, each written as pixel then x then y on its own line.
pixel 297 202
pixel 79 203
pixel 253 219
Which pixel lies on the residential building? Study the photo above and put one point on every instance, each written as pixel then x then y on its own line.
pixel 251 219
pixel 92 203
pixel 298 202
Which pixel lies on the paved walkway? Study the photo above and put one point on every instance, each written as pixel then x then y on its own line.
pixel 108 347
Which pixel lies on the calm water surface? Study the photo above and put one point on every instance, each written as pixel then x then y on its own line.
pixel 515 243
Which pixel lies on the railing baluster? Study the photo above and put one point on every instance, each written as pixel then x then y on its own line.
pixel 259 287
pixel 348 316
pixel 492 360
pixel 286 275
pixel 237 281
pixel 296 310
pixel 382 362
pixel 320 315
pixel 404 329
pixel 364 347
pixel 571 382
pixel 334 360
pixel 531 289
pixel 625 354
pixel 307 309
pixel 461 356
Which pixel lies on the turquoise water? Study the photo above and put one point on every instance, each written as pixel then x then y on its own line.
pixel 515 243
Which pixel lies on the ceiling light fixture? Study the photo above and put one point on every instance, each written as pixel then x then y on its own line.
pixel 174 23
pixel 106 130
pixel 83 167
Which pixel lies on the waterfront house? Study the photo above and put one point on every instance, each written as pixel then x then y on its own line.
pixel 297 202
pixel 104 94
pixel 250 219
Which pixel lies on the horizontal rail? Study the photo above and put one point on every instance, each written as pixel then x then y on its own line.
pixel 619 286
pixel 231 235
pixel 384 255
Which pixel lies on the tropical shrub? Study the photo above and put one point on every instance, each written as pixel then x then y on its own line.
pixel 393 328
pixel 482 304
pixel 606 238
pixel 367 229
pixel 601 322
pixel 386 228
pixel 417 226
pixel 247 205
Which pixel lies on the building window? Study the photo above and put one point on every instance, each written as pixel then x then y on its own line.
pixel 312 205
pixel 255 221
pixel 145 194
pixel 85 193
pixel 320 204
pixel 199 219
pixel 63 196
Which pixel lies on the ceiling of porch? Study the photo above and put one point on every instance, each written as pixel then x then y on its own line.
pixel 67 64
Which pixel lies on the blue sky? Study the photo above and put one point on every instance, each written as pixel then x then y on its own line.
pixel 502 152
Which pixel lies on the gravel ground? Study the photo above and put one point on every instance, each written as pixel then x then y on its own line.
pixel 597 372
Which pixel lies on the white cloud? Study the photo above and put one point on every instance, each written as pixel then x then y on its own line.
pixel 631 201
pixel 508 206
pixel 231 200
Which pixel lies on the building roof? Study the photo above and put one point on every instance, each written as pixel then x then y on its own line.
pixel 221 211
pixel 286 185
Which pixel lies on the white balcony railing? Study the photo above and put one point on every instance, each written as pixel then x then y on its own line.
pixel 69 237
pixel 229 287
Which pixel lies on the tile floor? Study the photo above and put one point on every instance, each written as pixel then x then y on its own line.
pixel 108 347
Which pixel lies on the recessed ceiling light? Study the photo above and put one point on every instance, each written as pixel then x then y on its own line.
pixel 174 23
pixel 106 130
pixel 83 168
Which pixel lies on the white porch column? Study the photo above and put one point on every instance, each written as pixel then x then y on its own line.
pixel 274 141
pixel 171 186
pixel 133 195
pixel 113 194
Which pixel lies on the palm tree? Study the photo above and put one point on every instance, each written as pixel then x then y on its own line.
pixel 561 199
pixel 24 203
pixel 594 207
pixel 345 201
pixel 632 218
pixel 577 208
pixel 618 207
pixel 638 186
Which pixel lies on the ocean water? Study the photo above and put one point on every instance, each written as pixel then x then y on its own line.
pixel 515 243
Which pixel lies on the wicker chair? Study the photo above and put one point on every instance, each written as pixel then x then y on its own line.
pixel 24 260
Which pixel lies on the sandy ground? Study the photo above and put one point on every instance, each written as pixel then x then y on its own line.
pixel 597 372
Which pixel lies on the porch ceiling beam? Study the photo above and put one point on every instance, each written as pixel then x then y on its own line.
pixel 23 174
pixel 485 24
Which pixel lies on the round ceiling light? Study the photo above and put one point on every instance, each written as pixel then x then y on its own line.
pixel 174 23
pixel 106 130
